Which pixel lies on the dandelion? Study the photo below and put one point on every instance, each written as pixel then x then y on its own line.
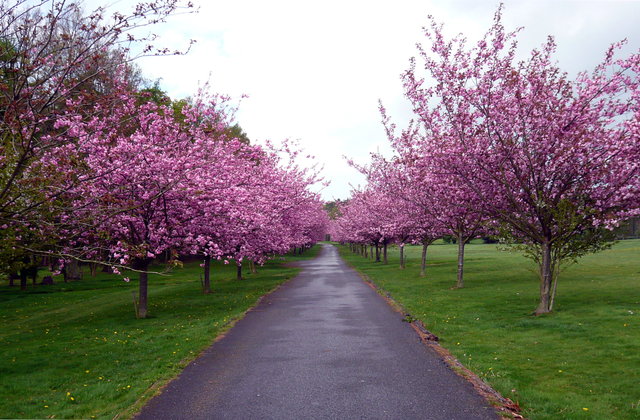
pixel 585 408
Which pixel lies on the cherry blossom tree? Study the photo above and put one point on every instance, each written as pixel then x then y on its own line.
pixel 372 218
pixel 142 169
pixel 553 161
pixel 438 205
pixel 51 52
pixel 412 198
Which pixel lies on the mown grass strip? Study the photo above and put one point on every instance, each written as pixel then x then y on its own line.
pixel 76 350
pixel 582 361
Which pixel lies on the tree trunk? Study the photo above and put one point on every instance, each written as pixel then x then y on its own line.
pixel 252 265
pixel 546 279
pixel 72 271
pixel 384 253
pixel 371 251
pixel 402 256
pixel 461 244
pixel 206 284
pixel 23 279
pixel 423 260
pixel 554 288
pixel 143 265
pixel 239 271
pixel 377 253
pixel 366 251
pixel 93 269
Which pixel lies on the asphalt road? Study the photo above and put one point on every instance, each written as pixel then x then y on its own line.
pixel 323 346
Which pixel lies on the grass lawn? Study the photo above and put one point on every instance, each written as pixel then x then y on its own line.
pixel 580 362
pixel 76 350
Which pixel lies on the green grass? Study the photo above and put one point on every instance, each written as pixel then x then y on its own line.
pixel 76 350
pixel 580 362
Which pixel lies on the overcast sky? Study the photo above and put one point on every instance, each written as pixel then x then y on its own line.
pixel 314 71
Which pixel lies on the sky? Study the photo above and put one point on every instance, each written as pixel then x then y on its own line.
pixel 315 71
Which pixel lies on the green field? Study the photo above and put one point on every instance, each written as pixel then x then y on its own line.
pixel 580 362
pixel 76 350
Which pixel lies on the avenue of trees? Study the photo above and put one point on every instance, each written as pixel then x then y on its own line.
pixel 97 167
pixel 505 148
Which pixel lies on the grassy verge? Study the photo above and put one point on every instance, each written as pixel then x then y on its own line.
pixel 76 350
pixel 581 362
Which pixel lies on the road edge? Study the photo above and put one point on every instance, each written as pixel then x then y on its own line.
pixel 504 406
pixel 157 387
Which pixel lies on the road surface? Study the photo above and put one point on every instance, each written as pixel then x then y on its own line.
pixel 323 346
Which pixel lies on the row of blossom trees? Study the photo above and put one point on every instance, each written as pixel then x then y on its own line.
pixel 511 148
pixel 96 169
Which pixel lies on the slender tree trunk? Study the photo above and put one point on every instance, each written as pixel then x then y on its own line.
pixel 384 253
pixel 423 261
pixel 377 253
pixel 402 256
pixel 239 271
pixel 252 265
pixel 93 269
pixel 23 279
pixel 206 285
pixel 546 279
pixel 143 288
pixel 366 251
pixel 371 251
pixel 461 244
pixel 554 288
